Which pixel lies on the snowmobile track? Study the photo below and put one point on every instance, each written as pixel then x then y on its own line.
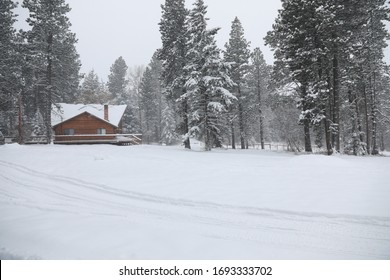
pixel 352 235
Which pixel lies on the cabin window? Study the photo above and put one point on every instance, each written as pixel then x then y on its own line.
pixel 69 131
pixel 101 131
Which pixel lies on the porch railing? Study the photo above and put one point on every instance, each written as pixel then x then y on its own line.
pixel 119 139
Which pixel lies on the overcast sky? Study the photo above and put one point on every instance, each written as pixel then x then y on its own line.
pixel 107 29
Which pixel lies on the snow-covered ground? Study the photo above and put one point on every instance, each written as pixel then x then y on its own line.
pixel 150 202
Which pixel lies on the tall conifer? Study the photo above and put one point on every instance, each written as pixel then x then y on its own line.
pixel 51 54
pixel 173 56
pixel 207 79
pixel 237 53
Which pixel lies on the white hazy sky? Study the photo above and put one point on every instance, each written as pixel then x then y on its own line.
pixel 107 29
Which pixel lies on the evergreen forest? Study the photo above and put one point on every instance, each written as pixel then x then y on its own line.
pixel 328 90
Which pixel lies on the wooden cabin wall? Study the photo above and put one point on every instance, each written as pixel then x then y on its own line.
pixel 84 124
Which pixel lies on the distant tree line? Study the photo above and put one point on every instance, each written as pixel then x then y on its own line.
pixel 328 90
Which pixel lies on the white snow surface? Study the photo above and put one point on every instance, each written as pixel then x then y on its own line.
pixel 150 202
pixel 62 112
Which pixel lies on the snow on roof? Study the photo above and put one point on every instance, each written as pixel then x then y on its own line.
pixel 61 112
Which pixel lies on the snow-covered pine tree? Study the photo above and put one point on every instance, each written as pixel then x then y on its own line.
pixel 352 59
pixel 117 81
pixel 90 89
pixel 237 53
pixel 156 71
pixel 207 79
pixel 384 110
pixel 148 105
pixel 173 56
pixel 258 81
pixel 324 94
pixel 151 101
pixel 294 41
pixel 51 54
pixel 68 74
pixel 354 82
pixel 134 114
pixel 168 123
pixel 9 80
pixel 334 51
pixel 38 125
pixel 374 37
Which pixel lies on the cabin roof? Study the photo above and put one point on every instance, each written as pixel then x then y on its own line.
pixel 62 112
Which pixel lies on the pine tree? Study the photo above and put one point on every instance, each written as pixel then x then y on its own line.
pixel 168 123
pixel 237 53
pixel 69 73
pixel 374 36
pixel 384 110
pixel 134 114
pixel 174 35
pixel 90 91
pixel 9 69
pixel 151 101
pixel 51 55
pixel 117 81
pixel 334 51
pixel 38 127
pixel 258 80
pixel 294 38
pixel 156 71
pixel 207 79
pixel 148 103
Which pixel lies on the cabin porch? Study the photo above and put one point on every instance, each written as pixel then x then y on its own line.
pixel 115 139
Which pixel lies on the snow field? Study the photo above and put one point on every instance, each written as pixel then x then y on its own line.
pixel 149 202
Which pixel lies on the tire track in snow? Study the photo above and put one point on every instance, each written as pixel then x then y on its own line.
pixel 359 236
pixel 365 220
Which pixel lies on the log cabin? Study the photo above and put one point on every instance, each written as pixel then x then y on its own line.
pixel 90 124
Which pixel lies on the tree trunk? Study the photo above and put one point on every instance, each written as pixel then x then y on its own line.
pixel 241 125
pixel 367 119
pixel 207 132
pixel 358 121
pixel 374 145
pixel 330 144
pixel 354 131
pixel 327 137
pixel 306 121
pixel 147 132
pixel 20 122
pixel 327 107
pixel 49 89
pixel 160 119
pixel 306 125
pixel 336 101
pixel 241 119
pixel 261 131
pixel 187 143
pixel 383 148
pixel 233 135
pixel 140 113
pixel 258 89
pixel 372 79
pixel 359 129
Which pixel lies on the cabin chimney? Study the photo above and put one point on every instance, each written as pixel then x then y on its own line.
pixel 106 112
